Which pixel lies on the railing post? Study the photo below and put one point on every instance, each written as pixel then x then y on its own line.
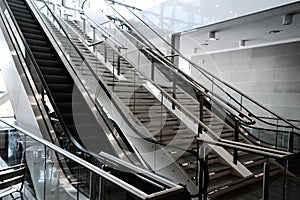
pixel 174 90
pixel 205 160
pixel 236 139
pixel 291 141
pixel 265 192
pixel 276 137
pixel 93 185
pixel 119 63
pixel 84 27
pixel 152 69
pixel 94 37
pixel 200 178
pixel 105 53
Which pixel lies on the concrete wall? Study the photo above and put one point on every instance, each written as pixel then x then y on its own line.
pixel 269 74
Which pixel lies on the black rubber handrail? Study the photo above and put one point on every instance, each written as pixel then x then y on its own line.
pixel 106 120
pixel 204 72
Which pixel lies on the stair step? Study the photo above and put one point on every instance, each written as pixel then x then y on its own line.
pixel 221 182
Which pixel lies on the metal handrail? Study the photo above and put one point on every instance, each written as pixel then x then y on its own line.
pixel 240 113
pixel 158 87
pixel 131 189
pixel 204 72
pixel 160 57
pixel 258 150
pixel 182 108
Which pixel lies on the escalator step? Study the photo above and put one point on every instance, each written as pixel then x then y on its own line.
pixel 16 1
pixel 58 79
pixel 45 56
pixel 48 63
pixel 20 9
pixel 37 42
pixel 52 71
pixel 68 107
pixel 27 16
pixel 61 88
pixel 27 25
pixel 24 19
pixel 19 4
pixel 35 48
pixel 28 30
pixel 34 36
pixel 62 97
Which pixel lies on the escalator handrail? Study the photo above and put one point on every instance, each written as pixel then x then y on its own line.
pixel 68 154
pixel 41 78
pixel 204 72
pixel 99 82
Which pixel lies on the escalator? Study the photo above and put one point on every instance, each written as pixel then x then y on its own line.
pixel 75 113
pixel 76 127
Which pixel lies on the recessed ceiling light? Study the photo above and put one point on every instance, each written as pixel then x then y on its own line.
pixel 275 31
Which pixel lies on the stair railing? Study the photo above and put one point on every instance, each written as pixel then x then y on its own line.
pixel 100 180
pixel 268 153
pixel 169 97
pixel 153 141
pixel 245 103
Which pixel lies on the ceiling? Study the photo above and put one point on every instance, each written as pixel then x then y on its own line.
pixel 261 29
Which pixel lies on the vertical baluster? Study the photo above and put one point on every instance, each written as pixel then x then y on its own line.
pixel 93 184
pixel 152 69
pixel 265 192
pixel 236 138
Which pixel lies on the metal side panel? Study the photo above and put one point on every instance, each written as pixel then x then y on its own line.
pixel 16 90
pixel 157 158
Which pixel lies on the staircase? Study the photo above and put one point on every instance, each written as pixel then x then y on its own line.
pixel 149 111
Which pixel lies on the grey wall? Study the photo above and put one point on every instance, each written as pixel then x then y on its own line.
pixel 270 74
